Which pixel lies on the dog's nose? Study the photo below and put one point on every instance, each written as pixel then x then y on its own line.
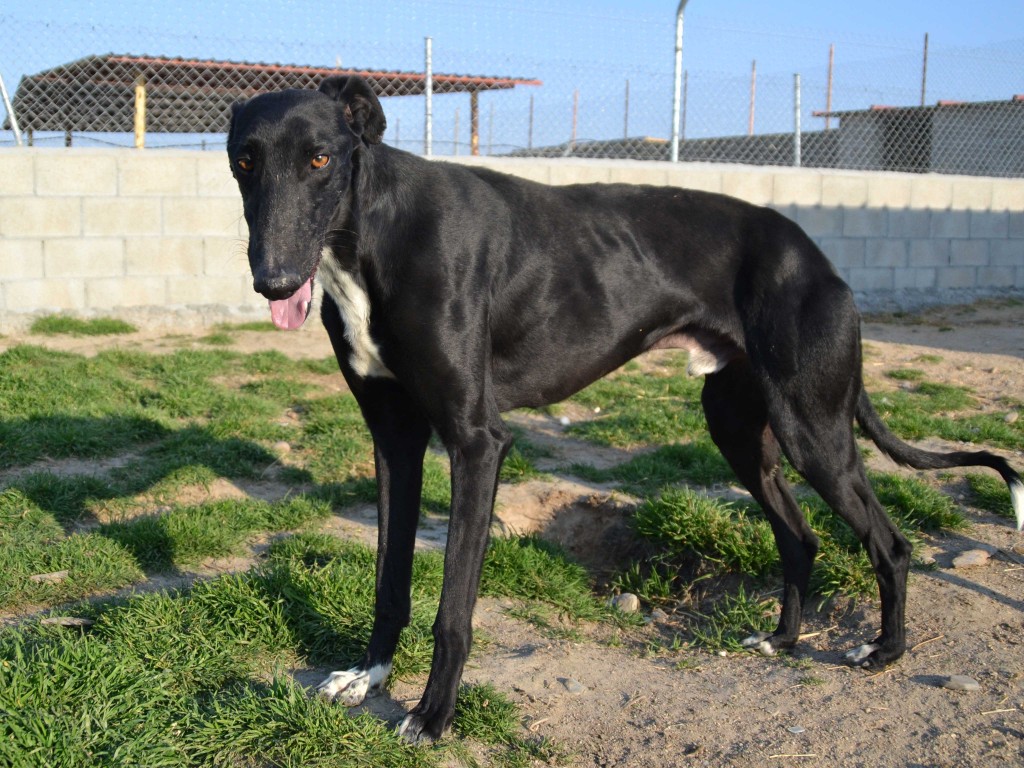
pixel 279 285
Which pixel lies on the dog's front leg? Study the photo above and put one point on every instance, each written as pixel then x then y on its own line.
pixel 475 465
pixel 400 435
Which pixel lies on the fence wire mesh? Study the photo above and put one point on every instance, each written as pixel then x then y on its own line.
pixel 520 79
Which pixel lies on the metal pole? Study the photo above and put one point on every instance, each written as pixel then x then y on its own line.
pixel 625 121
pixel 529 135
pixel 924 71
pixel 428 89
pixel 753 97
pixel 828 93
pixel 575 114
pixel 455 139
pixel 140 112
pixel 676 98
pixel 490 130
pixel 796 120
pixel 10 113
pixel 686 101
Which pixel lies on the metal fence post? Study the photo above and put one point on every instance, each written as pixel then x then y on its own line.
pixel 10 113
pixel 796 120
pixel 677 95
pixel 428 89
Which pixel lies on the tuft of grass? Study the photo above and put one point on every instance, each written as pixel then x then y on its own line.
pixel 906 374
pixel 53 325
pixel 991 494
pixel 484 714
pixel 698 462
pixel 686 523
pixel 734 617
pixel 255 325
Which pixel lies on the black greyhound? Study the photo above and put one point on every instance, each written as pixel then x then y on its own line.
pixel 452 294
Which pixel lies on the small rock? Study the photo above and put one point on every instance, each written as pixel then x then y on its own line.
pixel 49 578
pixel 67 621
pixel 723 654
pixel 572 686
pixel 627 602
pixel 658 615
pixel 564 421
pixel 282 447
pixel 797 729
pixel 972 558
pixel 597 409
pixel 961 683
pixel 1011 417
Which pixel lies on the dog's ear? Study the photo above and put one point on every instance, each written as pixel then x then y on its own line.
pixel 363 111
pixel 236 109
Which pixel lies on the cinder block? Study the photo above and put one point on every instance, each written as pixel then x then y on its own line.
pixel 40 217
pixel 820 222
pixel 918 279
pixel 1007 195
pixel 110 293
pixel 17 171
pixel 122 216
pixel 886 253
pixel 639 173
pixel 972 194
pixel 151 173
pixel 198 217
pixel 845 252
pixel 933 192
pixel 698 178
pixel 1006 253
pixel 20 259
pixel 164 256
pixel 74 172
pixel 754 186
pixel 929 253
pixel 844 191
pixel 996 277
pixel 225 257
pixel 799 188
pixel 952 224
pixel 83 257
pixel 44 295
pixel 969 253
pixel 203 290
pixel 577 172
pixel 957 277
pixel 865 222
pixel 872 279
pixel 888 191
pixel 1016 226
pixel 909 222
pixel 990 224
pixel 214 175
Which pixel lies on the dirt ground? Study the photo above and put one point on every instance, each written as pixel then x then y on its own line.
pixel 614 704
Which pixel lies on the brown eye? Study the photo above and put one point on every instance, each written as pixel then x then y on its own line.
pixel 244 163
pixel 320 161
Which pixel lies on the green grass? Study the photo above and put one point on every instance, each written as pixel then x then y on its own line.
pixel 906 374
pixel 698 463
pixel 732 618
pixel 991 494
pixel 52 325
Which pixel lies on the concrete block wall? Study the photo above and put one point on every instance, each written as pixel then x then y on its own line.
pixel 157 237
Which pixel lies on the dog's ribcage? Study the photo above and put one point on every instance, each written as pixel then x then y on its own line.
pixel 354 307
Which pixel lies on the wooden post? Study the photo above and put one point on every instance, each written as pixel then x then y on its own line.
pixel 828 94
pixel 140 112
pixel 474 123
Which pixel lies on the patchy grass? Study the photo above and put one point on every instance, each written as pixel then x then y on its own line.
pixel 991 494
pixel 698 463
pixel 53 325
pixel 732 618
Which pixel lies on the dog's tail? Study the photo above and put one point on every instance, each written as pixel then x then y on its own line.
pixel 899 451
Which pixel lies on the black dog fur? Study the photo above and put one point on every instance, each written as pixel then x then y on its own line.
pixel 455 293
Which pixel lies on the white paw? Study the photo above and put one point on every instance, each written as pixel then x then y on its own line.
pixel 350 688
pixel 759 642
pixel 859 656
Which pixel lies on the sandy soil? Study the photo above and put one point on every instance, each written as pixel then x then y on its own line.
pixel 690 707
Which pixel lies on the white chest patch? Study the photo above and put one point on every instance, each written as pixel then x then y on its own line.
pixel 354 307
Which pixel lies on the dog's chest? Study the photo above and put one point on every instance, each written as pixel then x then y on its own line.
pixel 354 308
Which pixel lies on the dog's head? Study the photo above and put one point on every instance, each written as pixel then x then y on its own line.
pixel 292 153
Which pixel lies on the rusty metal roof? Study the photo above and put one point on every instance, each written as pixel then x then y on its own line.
pixel 192 95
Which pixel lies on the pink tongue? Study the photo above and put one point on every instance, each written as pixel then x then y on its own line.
pixel 289 314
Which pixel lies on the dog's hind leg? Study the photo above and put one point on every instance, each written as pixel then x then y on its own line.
pixel 738 421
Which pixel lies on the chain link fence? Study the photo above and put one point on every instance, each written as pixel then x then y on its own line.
pixel 520 79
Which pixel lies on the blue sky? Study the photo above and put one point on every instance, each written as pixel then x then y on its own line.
pixel 592 47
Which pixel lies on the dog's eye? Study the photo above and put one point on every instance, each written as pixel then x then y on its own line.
pixel 244 163
pixel 320 161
